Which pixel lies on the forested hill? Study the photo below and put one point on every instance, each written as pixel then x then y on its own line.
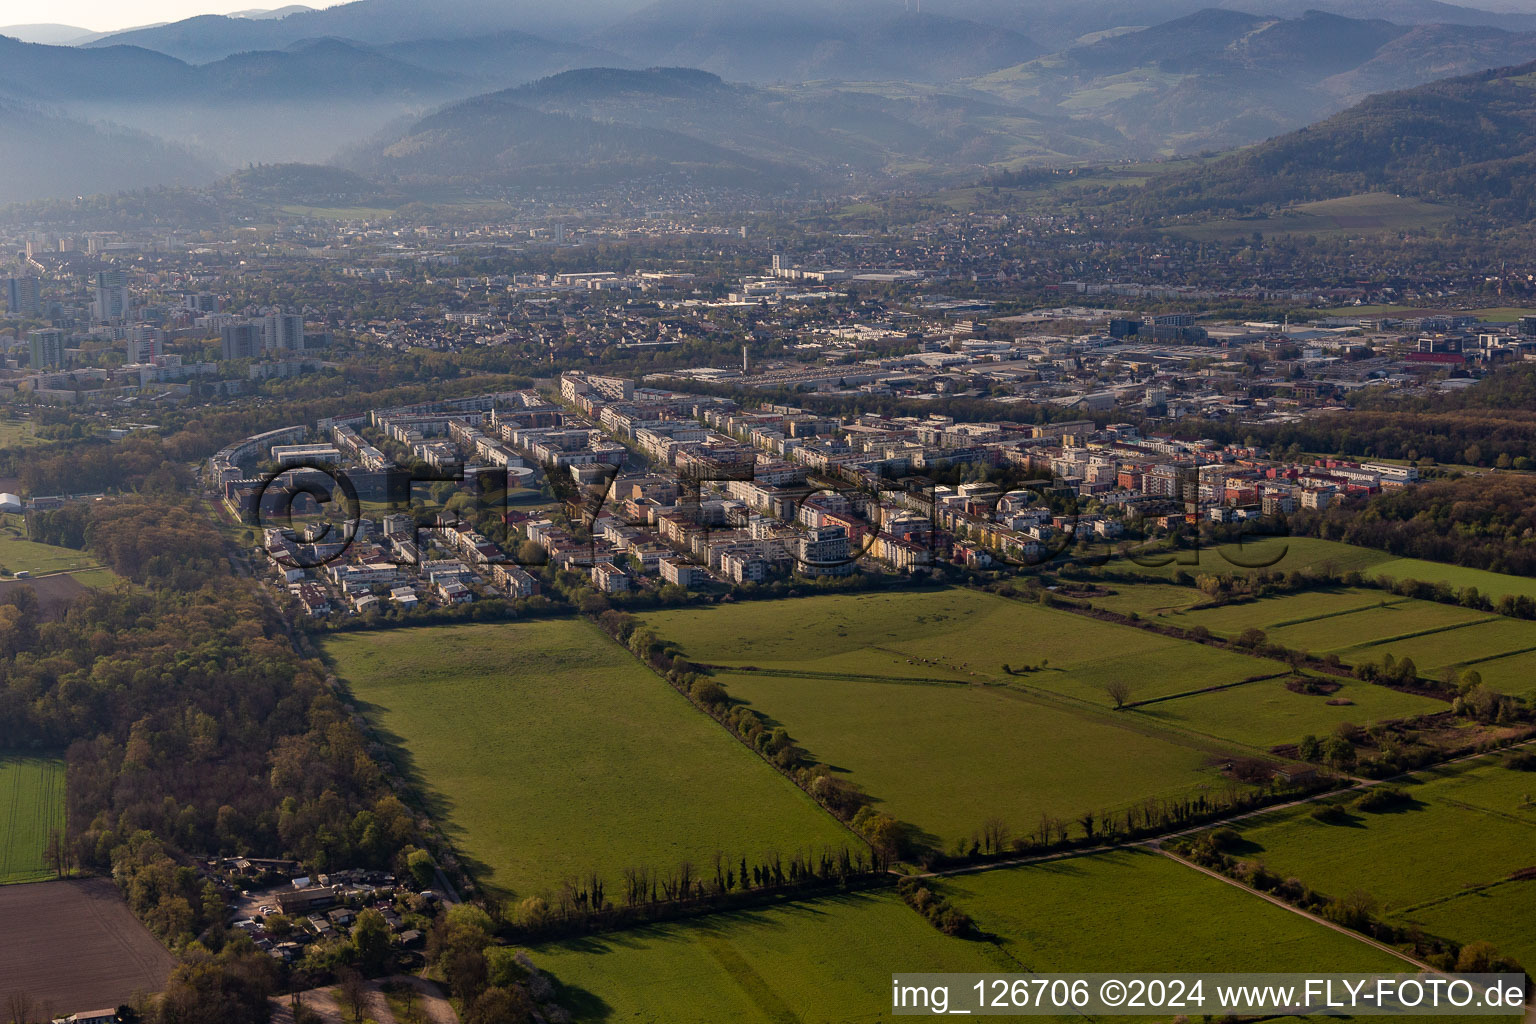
pixel 1468 141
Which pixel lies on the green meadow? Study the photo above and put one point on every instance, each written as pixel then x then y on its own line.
pixel 1501 913
pixel 1362 625
pixel 947 757
pixel 830 961
pixel 31 806
pixel 17 554
pixel 1266 713
pixel 1321 621
pixel 1274 554
pixel 1470 825
pixel 546 751
pixel 826 960
pixel 1133 910
pixel 1283 554
pixel 951 634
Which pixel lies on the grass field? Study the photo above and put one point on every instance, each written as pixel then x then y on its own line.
pixel 19 434
pixel 1369 213
pixel 546 751
pixel 31 804
pixel 1148 599
pixel 1472 825
pixel 1511 673
pixel 1492 584
pixel 1283 554
pixel 339 212
pixel 1359 625
pixel 831 960
pixel 1501 914
pixel 1321 621
pixel 17 554
pixel 953 634
pixel 1494 314
pixel 906 692
pixel 99 579
pixel 827 960
pixel 1108 911
pixel 1266 714
pixel 1469 641
pixel 946 758
pixel 1276 554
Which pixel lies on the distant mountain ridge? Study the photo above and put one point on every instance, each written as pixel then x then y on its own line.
pixel 375 23
pixel 804 91
pixel 702 33
pixel 50 156
pixel 609 124
pixel 49 34
pixel 1218 78
pixel 1467 141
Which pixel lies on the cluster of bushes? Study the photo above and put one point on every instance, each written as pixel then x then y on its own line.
pixel 1330 814
pixel 1399 673
pixel 938 910
pixel 493 984
pixel 1381 799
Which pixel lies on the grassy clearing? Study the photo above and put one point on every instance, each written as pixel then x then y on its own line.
pixel 1369 213
pixel 1266 714
pixel 340 212
pixel 1471 826
pixel 19 434
pixel 1287 553
pixel 1500 914
pixel 1482 637
pixel 1492 314
pixel 17 554
pixel 830 960
pixel 826 960
pixel 1338 620
pixel 1275 554
pixel 545 751
pixel 1512 673
pixel 954 634
pixel 1148 599
pixel 946 758
pixel 100 579
pixel 31 805
pixel 1109 911
pixel 1492 584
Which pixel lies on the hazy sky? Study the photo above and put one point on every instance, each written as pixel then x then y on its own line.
pixel 107 15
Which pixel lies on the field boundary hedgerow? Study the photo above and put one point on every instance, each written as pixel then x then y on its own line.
pixel 1432 631
pixel 1314 618
pixel 1132 705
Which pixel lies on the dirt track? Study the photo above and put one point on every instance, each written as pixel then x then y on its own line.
pixel 434 1008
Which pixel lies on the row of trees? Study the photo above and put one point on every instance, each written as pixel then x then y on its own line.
pixel 843 799
pixel 646 894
